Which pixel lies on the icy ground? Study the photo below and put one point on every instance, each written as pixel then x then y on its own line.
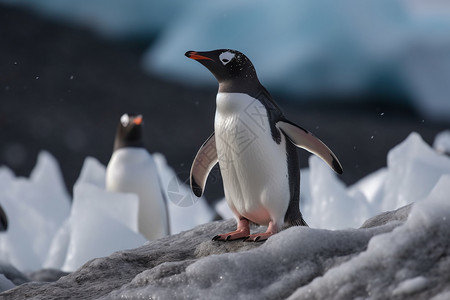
pixel 402 254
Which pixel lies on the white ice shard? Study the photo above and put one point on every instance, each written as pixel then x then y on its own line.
pixel 185 209
pixel 442 142
pixel 100 222
pixel 35 208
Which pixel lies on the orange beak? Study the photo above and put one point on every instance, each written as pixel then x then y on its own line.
pixel 196 56
pixel 138 120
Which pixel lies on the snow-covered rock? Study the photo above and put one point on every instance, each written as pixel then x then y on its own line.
pixel 406 258
pixel 5 283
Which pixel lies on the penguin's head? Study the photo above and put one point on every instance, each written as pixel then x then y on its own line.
pixel 226 64
pixel 129 131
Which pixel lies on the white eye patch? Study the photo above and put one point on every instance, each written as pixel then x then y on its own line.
pixel 125 120
pixel 226 57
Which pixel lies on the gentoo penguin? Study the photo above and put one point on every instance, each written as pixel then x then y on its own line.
pixel 254 145
pixel 131 169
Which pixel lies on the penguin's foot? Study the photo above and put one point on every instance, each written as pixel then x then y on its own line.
pixel 258 237
pixel 242 231
pixel 230 236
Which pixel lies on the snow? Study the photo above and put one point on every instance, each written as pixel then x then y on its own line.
pixel 410 286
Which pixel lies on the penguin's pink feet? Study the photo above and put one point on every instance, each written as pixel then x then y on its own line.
pixel 242 231
pixel 260 237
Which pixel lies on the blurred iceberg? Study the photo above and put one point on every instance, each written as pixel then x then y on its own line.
pixel 137 19
pixel 442 142
pixel 301 48
pixel 320 48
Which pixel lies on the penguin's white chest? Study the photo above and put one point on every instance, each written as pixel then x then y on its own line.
pixel 132 170
pixel 253 166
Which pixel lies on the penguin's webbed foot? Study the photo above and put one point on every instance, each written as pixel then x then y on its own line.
pixel 231 236
pixel 242 231
pixel 259 237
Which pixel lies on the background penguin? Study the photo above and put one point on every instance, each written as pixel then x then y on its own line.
pixel 131 169
pixel 255 147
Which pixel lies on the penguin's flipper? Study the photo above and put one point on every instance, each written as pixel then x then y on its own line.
pixel 304 139
pixel 204 161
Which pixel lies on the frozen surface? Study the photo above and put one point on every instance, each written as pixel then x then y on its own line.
pixel 36 208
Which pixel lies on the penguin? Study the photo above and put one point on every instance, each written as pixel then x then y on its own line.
pixel 3 220
pixel 255 146
pixel 132 169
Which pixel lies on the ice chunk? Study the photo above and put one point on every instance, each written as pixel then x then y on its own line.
pixel 55 205
pixel 58 249
pixel 35 209
pixel 442 142
pixel 92 172
pixel 194 212
pixel 331 205
pixel 101 223
pixel 414 168
pixel 96 221
pixel 95 234
pixel 371 187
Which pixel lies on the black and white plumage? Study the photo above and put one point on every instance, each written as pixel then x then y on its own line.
pixel 255 146
pixel 132 169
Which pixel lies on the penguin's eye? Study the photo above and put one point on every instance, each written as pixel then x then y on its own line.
pixel 226 57
pixel 125 120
